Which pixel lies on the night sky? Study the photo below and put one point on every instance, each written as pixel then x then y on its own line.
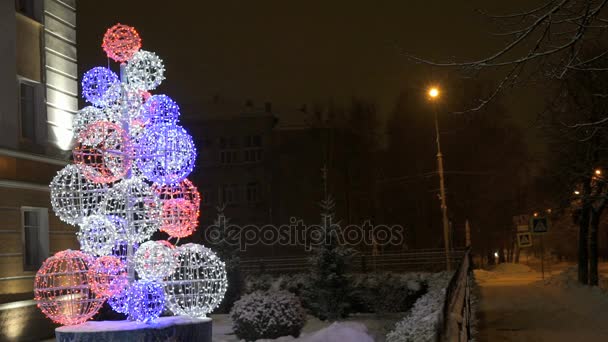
pixel 295 52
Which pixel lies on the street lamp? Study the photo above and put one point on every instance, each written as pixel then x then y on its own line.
pixel 433 93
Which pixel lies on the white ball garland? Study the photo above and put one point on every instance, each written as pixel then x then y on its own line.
pixel 73 197
pixel 133 201
pixel 145 71
pixel 98 235
pixel 154 260
pixel 199 282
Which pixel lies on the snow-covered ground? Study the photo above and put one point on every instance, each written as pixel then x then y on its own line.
pixel 357 328
pixel 517 305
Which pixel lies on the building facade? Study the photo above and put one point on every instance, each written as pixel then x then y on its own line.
pixel 38 98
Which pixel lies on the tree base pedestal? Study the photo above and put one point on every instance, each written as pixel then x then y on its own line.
pixel 175 328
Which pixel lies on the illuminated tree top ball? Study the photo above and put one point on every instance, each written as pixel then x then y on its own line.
pixel 128 181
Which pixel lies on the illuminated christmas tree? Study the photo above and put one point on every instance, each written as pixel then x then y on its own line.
pixel 128 180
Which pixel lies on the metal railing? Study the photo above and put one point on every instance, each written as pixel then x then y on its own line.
pixel 430 260
pixel 455 324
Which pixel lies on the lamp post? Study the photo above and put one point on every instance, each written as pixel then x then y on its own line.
pixel 433 93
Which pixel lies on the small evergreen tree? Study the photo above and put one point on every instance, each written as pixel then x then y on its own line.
pixel 330 291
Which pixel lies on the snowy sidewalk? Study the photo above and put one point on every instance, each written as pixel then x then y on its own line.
pixel 515 305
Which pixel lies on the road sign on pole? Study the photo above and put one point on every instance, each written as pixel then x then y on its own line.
pixel 539 225
pixel 524 239
pixel 522 223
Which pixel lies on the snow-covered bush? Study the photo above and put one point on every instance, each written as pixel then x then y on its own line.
pixel 386 292
pixel 420 324
pixel 269 314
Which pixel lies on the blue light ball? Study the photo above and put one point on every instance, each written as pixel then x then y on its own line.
pixel 95 85
pixel 161 109
pixel 166 154
pixel 146 300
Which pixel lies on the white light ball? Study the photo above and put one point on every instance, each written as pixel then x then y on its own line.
pixel 133 201
pixel 199 282
pixel 98 235
pixel 128 105
pixel 73 197
pixel 87 116
pixel 154 260
pixel 145 71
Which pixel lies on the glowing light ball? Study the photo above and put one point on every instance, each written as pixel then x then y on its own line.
pixel 95 85
pixel 73 197
pixel 198 284
pixel 145 71
pixel 146 300
pixel 121 42
pixel 128 105
pixel 182 190
pixel 133 201
pixel 154 260
pixel 62 291
pixel 107 276
pixel 179 218
pixel 103 152
pixel 161 109
pixel 87 116
pixel 120 301
pixel 181 202
pixel 166 154
pixel 97 235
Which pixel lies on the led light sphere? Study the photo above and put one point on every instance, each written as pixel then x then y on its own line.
pixel 146 300
pixel 198 284
pixel 87 116
pixel 98 234
pixel 182 190
pixel 181 202
pixel 62 291
pixel 107 276
pixel 73 197
pixel 154 260
pixel 95 85
pixel 161 109
pixel 145 71
pixel 128 105
pixel 166 154
pixel 133 201
pixel 120 301
pixel 104 152
pixel 121 42
pixel 179 218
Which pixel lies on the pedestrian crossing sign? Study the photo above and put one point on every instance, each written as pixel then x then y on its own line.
pixel 539 225
pixel 524 240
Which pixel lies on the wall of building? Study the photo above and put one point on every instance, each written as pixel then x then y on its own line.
pixel 8 75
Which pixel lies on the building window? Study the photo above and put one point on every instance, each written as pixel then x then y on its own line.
pixel 229 193
pixel 253 192
pixel 27 111
pixel 35 225
pixel 25 7
pixel 229 150
pixel 252 151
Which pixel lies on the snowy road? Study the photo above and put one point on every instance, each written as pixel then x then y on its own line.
pixel 517 306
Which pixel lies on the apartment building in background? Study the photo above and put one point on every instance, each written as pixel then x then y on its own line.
pixel 38 98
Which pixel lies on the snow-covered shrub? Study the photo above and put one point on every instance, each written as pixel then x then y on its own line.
pixel 268 314
pixel 420 323
pixel 385 292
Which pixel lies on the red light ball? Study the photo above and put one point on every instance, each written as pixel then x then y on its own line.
pixel 62 290
pixel 107 276
pixel 121 42
pixel 103 152
pixel 179 217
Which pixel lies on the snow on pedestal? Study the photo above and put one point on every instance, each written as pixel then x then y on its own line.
pixel 174 328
